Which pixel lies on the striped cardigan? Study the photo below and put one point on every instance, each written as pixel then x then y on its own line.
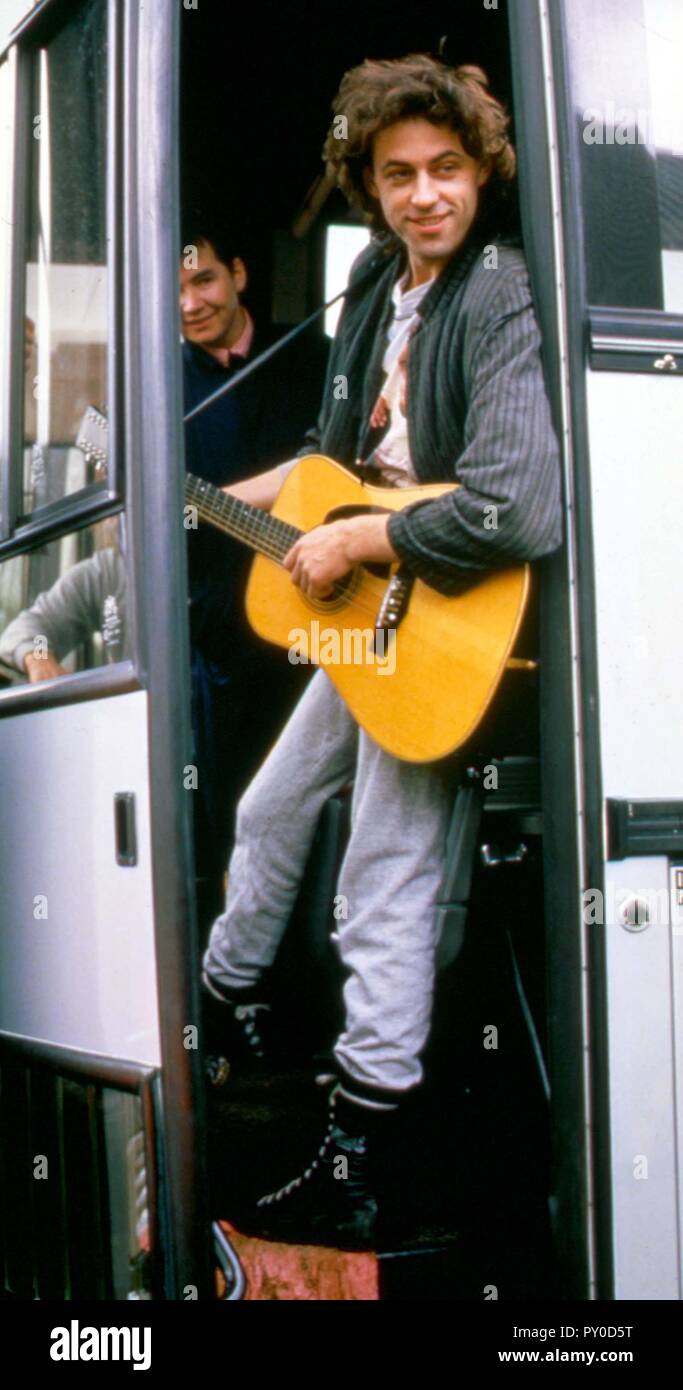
pixel 478 412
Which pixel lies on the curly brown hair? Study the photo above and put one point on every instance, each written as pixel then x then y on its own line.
pixel 377 94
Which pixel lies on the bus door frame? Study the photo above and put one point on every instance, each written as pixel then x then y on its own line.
pixel 146 404
pixel 572 793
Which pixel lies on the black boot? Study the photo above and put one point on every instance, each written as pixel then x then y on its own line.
pixel 238 1030
pixel 333 1202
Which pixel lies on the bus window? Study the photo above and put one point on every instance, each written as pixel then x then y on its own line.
pixel 66 276
pixel 624 65
pixel 344 241
pixel 6 139
pixel 64 606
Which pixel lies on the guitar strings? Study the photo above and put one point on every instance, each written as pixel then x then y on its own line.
pixel 255 528
pixel 269 535
pixel 278 536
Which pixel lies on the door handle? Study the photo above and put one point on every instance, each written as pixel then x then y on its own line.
pixel 125 829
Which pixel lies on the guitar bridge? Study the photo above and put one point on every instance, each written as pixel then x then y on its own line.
pixel 392 607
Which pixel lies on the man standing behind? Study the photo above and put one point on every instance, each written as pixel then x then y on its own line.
pixel 241 687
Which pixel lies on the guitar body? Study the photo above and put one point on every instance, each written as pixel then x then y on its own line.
pixel 424 691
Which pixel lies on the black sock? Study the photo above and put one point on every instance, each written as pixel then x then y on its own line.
pixel 234 994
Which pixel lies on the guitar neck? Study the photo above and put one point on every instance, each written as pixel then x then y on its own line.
pixel 251 525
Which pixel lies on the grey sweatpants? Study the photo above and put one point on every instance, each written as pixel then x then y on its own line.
pixel 387 888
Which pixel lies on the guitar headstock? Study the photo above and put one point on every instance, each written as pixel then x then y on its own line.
pixel 92 437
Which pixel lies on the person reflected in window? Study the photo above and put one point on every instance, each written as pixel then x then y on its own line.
pixel 90 598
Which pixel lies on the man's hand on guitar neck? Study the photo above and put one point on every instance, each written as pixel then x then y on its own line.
pixel 328 552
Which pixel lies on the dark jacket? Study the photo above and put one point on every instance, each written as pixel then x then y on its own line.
pixel 242 687
pixel 260 423
pixel 478 412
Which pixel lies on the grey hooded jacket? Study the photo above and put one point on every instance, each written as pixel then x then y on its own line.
pixel 90 597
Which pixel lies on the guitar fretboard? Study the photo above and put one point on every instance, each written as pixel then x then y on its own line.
pixel 252 525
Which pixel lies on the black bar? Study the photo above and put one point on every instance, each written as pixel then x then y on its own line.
pixel 637 323
pixel 50 1227
pixel 80 1192
pixel 644 827
pixel 71 513
pixel 15 1142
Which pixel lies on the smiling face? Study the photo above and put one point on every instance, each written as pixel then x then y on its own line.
pixel 428 189
pixel 210 310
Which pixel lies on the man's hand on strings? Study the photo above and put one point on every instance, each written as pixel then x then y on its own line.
pixel 325 554
pixel 319 558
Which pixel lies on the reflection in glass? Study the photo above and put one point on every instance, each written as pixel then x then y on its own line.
pixel 664 29
pixel 131 1235
pixel 63 607
pixel 625 58
pixel 66 272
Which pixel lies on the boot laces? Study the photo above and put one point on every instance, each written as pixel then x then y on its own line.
pixel 247 1011
pixel 302 1178
pixel 245 1014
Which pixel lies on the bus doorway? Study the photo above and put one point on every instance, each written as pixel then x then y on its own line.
pixel 468 1200
pixel 553 1088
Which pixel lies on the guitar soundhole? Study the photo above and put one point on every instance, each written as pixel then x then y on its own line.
pixel 342 594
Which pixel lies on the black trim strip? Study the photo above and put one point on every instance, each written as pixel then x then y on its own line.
pixel 62 517
pixel 644 827
pixel 608 357
pixel 635 339
pixel 632 340
pixel 638 325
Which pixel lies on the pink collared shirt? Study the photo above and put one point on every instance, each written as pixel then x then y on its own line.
pixel 241 348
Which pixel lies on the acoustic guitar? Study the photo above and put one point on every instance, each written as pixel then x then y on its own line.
pixel 417 669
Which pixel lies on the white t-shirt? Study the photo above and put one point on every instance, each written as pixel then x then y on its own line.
pixel 392 456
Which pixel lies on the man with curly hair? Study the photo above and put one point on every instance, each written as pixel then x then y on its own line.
pixel 441 352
